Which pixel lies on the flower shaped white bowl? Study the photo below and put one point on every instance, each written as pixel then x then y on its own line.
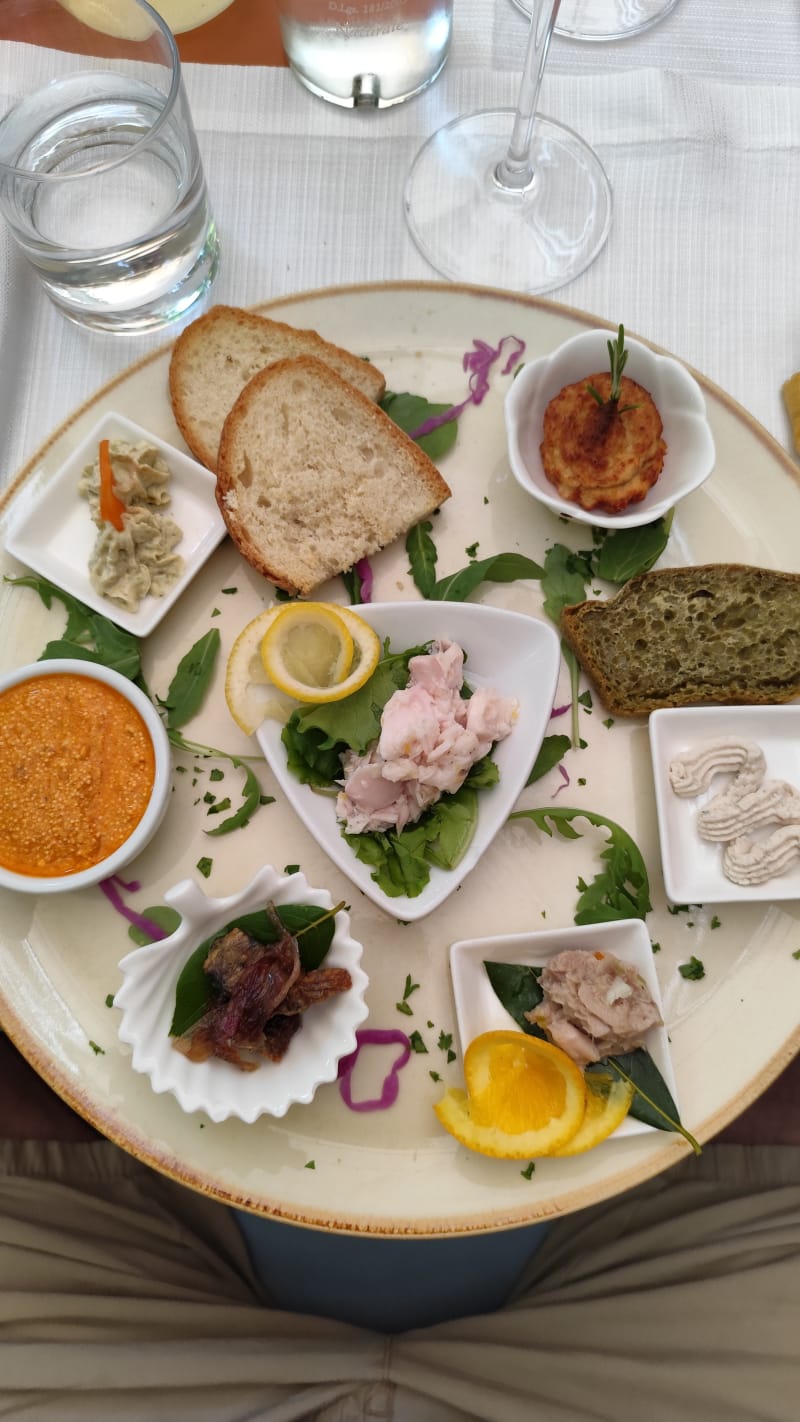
pixel 162 781
pixel 479 1009
pixel 517 656
pixel 147 1000
pixel 690 447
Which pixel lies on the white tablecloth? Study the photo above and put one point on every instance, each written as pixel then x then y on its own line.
pixel 697 122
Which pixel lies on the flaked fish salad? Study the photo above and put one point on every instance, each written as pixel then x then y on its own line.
pixel 405 756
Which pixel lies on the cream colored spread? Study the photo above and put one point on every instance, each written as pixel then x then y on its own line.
pixel 750 802
pixel 128 564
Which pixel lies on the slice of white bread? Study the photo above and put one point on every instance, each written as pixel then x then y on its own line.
pixel 213 359
pixel 312 475
pixel 720 633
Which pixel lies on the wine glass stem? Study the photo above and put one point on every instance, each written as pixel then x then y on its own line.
pixel 515 170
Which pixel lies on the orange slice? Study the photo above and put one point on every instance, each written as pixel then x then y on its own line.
pixel 524 1097
pixel 608 1101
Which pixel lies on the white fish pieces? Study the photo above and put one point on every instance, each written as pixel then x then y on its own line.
pixel 430 739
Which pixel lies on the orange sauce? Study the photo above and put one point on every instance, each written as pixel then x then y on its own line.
pixel 77 769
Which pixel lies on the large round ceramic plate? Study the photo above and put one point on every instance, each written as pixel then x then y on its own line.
pixel 396 1172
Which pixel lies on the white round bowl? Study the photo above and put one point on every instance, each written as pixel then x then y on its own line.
pixel 159 797
pixel 690 446
pixel 147 1001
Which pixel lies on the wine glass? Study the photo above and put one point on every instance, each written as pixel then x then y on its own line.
pixel 606 19
pixel 527 212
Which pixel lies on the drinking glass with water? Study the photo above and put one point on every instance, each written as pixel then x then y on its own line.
pixel 101 181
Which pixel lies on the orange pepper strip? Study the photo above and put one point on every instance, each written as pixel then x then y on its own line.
pixel 111 508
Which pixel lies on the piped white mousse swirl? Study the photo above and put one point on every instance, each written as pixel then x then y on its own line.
pixel 731 814
pixel 692 772
pixel 749 861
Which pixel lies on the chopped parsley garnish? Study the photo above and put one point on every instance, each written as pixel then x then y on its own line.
pixel 110 1000
pixel 715 922
pixel 216 774
pixel 694 969
pixel 528 1171
pixel 204 866
pixel 417 1044
pixel 310 1165
pixel 291 868
pixel 220 806
pixel 98 1051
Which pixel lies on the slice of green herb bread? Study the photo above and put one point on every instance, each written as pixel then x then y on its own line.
pixel 722 633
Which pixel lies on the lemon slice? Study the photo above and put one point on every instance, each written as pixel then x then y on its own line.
pixel 318 651
pixel 608 1101
pixel 249 693
pixel 524 1097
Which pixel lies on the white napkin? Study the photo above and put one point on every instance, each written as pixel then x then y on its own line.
pixel 705 171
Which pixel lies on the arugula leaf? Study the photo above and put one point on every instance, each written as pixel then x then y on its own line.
pixel 310 757
pixel 552 750
pixel 88 636
pixel 563 583
pixel 191 681
pixel 500 568
pixel 622 889
pixel 629 551
pixel 251 799
pixel 397 860
pixel 410 412
pixel 312 926
pixel 352 583
pixel 422 555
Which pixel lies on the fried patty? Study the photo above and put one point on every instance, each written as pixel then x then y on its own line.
pixel 602 456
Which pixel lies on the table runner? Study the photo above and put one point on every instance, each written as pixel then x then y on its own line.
pixel 697 123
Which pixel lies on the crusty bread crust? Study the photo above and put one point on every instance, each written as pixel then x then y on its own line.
pixel 312 475
pixel 717 634
pixel 213 359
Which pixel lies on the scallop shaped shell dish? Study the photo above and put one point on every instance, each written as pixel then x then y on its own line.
pixel 147 1000
pixel 680 402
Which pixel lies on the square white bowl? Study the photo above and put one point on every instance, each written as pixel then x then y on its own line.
pixel 52 529
pixel 479 1009
pixel 147 1001
pixel 692 866
pixel 508 651
pixel 690 446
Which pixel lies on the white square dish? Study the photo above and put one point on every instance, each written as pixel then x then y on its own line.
pixel 479 1009
pixel 53 533
pixel 680 402
pixel 692 867
pixel 515 654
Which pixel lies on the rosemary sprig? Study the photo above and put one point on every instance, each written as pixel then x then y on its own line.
pixel 617 359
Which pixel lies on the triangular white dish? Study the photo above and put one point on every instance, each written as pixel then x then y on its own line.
pixel 515 654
